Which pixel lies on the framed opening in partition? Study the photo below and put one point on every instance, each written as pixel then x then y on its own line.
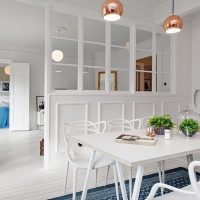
pixel 113 81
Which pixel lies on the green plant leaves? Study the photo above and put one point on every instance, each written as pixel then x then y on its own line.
pixel 161 121
pixel 189 125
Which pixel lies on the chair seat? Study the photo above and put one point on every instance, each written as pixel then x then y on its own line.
pixel 178 196
pixel 81 155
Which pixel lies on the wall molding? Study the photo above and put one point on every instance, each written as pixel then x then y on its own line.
pixel 143 102
pixel 58 104
pixel 111 102
pixel 175 102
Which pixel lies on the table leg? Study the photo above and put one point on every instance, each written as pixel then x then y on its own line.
pixel 90 166
pixel 138 182
pixel 160 174
pixel 121 180
pixel 190 158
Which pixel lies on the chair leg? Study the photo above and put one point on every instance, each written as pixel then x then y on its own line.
pixel 116 181
pixel 96 177
pixel 67 171
pixel 107 174
pixel 130 183
pixel 74 183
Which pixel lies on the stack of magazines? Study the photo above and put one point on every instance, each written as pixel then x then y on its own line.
pixel 133 139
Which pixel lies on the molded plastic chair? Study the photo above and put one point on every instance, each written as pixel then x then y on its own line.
pixel 191 192
pixel 78 155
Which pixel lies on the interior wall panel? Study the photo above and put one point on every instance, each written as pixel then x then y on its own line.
pixel 143 109
pixel 172 108
pixel 67 112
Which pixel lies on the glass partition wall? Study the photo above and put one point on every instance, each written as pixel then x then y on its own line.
pixel 92 55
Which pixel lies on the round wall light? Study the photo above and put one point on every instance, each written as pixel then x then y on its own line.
pixel 7 70
pixel 57 55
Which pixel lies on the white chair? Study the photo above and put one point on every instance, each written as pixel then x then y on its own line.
pixel 78 155
pixel 145 121
pixel 191 192
pixel 135 124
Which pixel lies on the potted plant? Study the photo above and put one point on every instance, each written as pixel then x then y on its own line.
pixel 189 127
pixel 160 123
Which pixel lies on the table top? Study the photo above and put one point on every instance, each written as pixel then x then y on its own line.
pixel 129 154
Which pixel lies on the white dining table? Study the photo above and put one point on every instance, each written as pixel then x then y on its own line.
pixel 132 154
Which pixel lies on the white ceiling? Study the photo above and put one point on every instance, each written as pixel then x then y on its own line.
pixel 88 3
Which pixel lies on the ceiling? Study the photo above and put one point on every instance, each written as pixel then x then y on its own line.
pixel 88 3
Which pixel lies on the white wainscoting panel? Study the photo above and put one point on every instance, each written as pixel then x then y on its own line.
pixel 67 108
pixel 110 110
pixel 171 107
pixel 67 112
pixel 143 109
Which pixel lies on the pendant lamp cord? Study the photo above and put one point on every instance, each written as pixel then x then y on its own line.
pixel 172 6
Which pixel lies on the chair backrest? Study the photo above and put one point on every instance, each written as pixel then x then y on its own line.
pixel 193 178
pixel 136 124
pixel 145 122
pixel 80 128
pixel 119 125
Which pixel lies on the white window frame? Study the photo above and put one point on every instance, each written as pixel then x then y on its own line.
pixel 132 68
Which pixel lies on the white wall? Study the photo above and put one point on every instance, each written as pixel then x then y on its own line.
pixel 195 57
pixel 183 61
pixel 22 31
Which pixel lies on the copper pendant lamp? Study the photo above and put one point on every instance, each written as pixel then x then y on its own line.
pixel 173 23
pixel 112 10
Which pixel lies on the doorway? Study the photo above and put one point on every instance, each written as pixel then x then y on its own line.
pixel 14 99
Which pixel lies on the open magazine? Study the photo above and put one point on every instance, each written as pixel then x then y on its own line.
pixel 133 139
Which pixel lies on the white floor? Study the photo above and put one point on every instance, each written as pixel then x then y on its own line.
pixel 22 176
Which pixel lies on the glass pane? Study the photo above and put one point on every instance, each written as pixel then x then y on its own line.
pixel 69 50
pixel 65 78
pixel 163 43
pixel 120 58
pixel 64 25
pixel 143 81
pixel 163 82
pixel 163 63
pixel 143 61
pixel 94 55
pixel 94 30
pixel 119 80
pixel 143 40
pixel 93 79
pixel 120 35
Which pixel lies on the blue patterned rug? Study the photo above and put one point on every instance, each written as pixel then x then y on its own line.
pixel 176 177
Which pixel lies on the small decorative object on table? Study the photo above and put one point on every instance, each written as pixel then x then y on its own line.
pixel 189 127
pixel 150 132
pixel 168 134
pixel 160 123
